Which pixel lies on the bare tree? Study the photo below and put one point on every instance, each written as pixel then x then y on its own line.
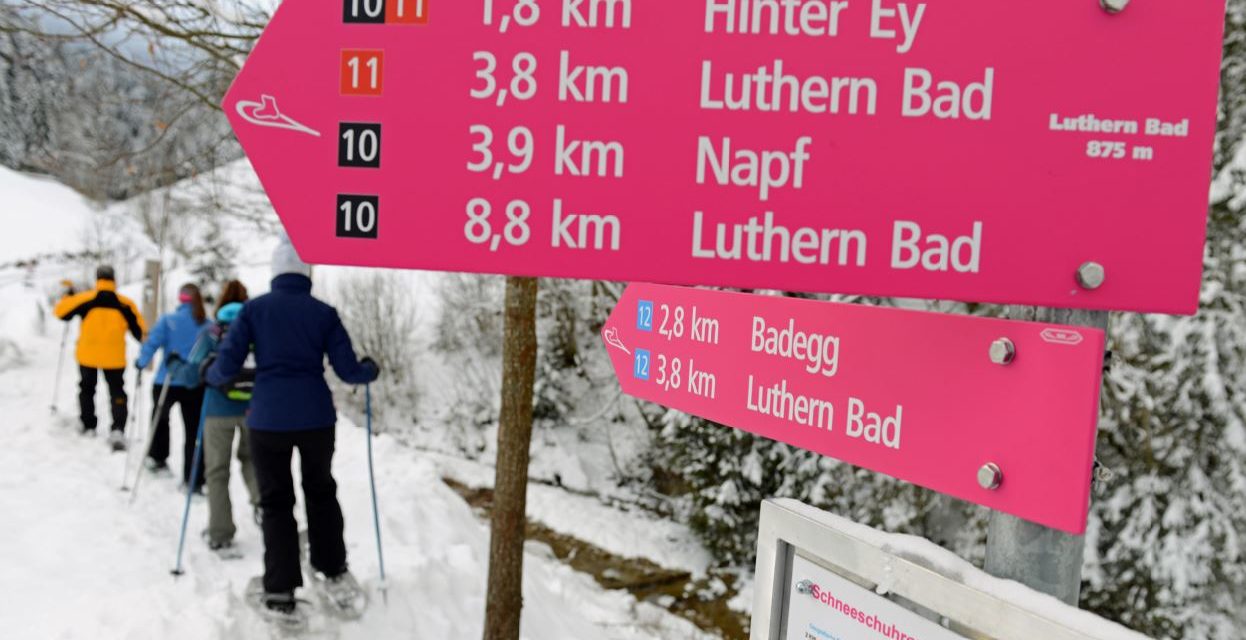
pixel 196 45
pixel 119 97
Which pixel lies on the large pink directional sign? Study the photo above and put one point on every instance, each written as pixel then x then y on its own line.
pixel 963 149
pixel 996 412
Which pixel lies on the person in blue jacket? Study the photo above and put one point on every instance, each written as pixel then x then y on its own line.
pixel 175 334
pixel 224 413
pixel 291 332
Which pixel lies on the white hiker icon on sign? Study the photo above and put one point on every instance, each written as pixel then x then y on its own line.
pixel 266 114
pixel 611 336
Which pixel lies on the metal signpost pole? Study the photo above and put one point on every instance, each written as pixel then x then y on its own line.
pixel 1045 559
pixel 151 290
pixel 1041 558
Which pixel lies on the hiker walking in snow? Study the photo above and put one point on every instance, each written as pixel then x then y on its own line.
pixel 291 333
pixel 106 317
pixel 224 412
pixel 175 334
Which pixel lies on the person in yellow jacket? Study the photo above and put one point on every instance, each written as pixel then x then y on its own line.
pixel 106 318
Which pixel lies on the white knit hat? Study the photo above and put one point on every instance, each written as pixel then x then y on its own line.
pixel 286 259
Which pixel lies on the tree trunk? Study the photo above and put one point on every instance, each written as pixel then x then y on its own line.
pixel 506 546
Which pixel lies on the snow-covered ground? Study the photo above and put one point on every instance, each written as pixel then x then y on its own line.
pixel 41 216
pixel 80 561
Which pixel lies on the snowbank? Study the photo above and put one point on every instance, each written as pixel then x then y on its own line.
pixel 41 217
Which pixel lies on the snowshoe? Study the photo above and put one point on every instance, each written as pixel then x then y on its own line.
pixel 341 595
pixel 116 440
pixel 286 614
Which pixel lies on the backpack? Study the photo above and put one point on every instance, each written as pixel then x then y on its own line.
pixel 242 387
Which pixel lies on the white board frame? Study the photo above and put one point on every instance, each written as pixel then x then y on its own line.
pixel 788 526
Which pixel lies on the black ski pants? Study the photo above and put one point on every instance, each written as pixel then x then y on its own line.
pixel 190 401
pixel 117 399
pixel 272 452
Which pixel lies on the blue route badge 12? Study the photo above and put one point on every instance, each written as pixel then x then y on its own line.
pixel 644 315
pixel 640 365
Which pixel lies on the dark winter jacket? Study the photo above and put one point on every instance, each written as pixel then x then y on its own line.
pixel 215 403
pixel 292 332
pixel 175 333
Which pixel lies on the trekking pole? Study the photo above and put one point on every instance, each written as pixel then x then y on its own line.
pixel 151 431
pixel 376 513
pixel 60 365
pixel 129 451
pixel 190 491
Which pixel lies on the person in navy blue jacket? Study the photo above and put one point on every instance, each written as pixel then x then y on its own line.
pixel 291 332
pixel 175 333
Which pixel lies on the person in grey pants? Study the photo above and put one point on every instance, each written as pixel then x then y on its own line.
pixel 224 418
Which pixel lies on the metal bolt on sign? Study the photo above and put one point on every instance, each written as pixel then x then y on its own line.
pixel 1091 275
pixel 1003 352
pixel 1114 6
pixel 990 476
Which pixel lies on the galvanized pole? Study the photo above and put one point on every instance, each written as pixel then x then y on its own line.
pixel 1043 559
pixel 151 291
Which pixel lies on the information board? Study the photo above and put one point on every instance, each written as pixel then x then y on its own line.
pixel 997 412
pixel 824 606
pixel 823 577
pixel 966 149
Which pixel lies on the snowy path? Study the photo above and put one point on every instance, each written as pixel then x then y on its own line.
pixel 78 561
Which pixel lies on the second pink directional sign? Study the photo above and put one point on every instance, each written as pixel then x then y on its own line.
pixel 996 412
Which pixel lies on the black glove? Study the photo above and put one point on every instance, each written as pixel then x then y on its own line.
pixel 367 361
pixel 173 360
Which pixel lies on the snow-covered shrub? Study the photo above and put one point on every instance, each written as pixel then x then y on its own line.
pixel 723 474
pixel 468 336
pixel 379 312
pixel 1166 552
pixel 471 314
pixel 560 380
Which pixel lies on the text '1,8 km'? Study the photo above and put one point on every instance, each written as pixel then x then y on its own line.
pixel 886 148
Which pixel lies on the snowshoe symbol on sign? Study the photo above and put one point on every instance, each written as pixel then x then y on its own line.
pixel 266 114
pixel 1062 336
pixel 611 337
